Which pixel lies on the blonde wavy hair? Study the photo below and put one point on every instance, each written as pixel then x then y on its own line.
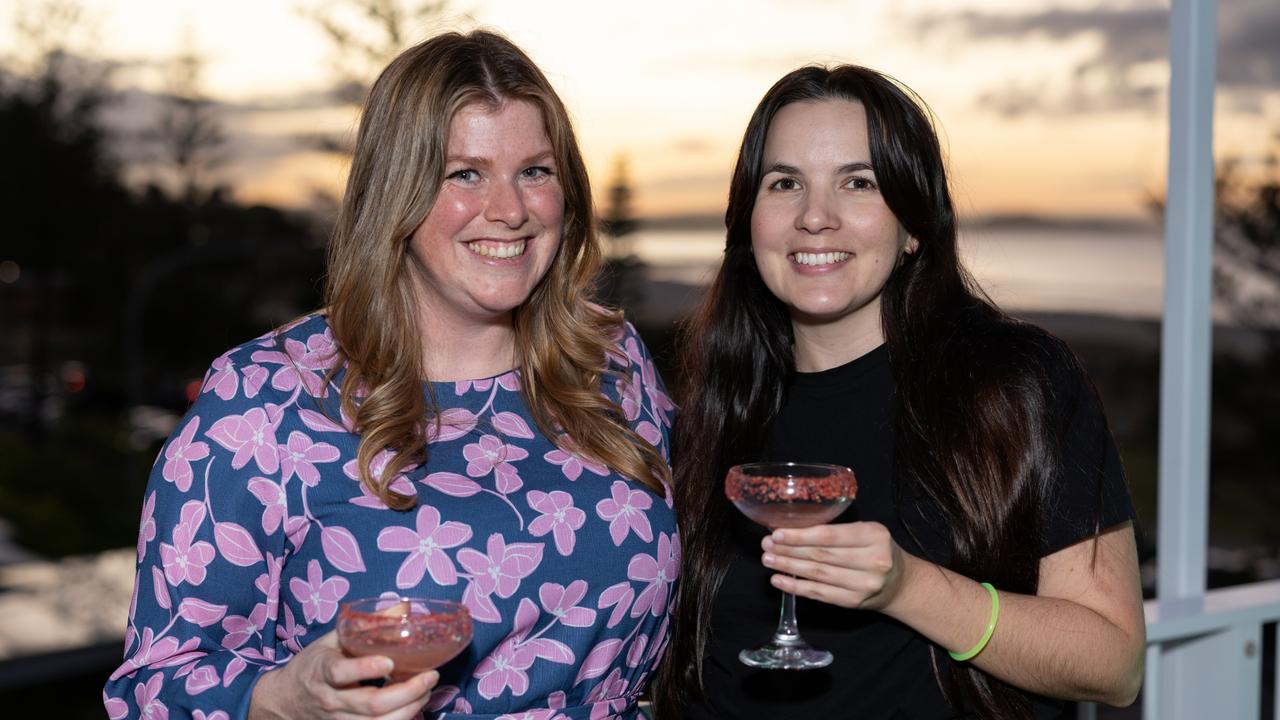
pixel 563 338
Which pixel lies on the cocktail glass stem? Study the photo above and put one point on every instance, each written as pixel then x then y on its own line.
pixel 787 634
pixel 787 650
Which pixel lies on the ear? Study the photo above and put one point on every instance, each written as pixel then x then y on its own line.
pixel 912 246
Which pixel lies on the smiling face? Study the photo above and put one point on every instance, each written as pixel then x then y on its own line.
pixel 823 238
pixel 497 219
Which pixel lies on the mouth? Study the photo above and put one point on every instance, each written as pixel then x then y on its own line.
pixel 819 259
pixel 498 249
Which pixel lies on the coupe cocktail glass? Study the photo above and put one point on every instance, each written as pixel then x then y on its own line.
pixel 416 633
pixel 789 495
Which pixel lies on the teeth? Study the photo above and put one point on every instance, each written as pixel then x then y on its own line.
pixel 502 250
pixel 829 258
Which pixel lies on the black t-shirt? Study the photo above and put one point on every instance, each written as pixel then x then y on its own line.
pixel 882 668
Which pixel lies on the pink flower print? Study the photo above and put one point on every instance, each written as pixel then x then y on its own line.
pixel 509 381
pixel 272 497
pixel 563 602
pixel 376 467
pixel 425 547
pixel 559 517
pixel 268 583
pixel 147 696
pixel 117 709
pixel 254 378
pixel 462 387
pixel 147 528
pixel 609 696
pixel 659 573
pixel 222 379
pixel 201 679
pixel 299 455
pixel 572 464
pixel 505 667
pixel 252 435
pixel 319 596
pixel 290 631
pixel 659 402
pixel 179 453
pixel 150 651
pixel 493 455
pixel 625 511
pixel 630 393
pixel 185 560
pixel 502 569
pixel 632 346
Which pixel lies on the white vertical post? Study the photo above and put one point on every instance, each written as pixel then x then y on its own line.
pixel 1186 338
pixel 1185 357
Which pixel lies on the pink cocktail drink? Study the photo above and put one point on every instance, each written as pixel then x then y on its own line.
pixel 417 634
pixel 789 495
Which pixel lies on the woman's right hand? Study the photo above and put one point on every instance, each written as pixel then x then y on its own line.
pixel 321 682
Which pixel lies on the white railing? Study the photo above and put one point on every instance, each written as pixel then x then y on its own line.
pixel 1225 639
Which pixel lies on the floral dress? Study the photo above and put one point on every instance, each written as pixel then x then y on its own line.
pixel 255 527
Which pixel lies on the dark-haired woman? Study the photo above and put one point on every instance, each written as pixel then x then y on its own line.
pixel 987 568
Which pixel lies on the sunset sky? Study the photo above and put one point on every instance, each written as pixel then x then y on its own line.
pixel 1054 109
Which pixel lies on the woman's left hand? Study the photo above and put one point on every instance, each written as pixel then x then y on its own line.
pixel 854 565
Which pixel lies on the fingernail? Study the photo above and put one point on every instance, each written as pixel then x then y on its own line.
pixel 768 559
pixel 778 535
pixel 386 665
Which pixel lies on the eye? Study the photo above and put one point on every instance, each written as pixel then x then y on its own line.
pixel 784 184
pixel 537 172
pixel 861 183
pixel 466 175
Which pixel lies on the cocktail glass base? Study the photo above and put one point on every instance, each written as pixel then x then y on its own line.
pixel 776 657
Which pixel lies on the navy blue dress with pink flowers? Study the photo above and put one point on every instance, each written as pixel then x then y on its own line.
pixel 255 527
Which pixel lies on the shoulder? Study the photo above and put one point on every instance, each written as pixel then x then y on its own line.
pixel 298 352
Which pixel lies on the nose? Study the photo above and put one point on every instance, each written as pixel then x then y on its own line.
pixel 505 204
pixel 817 213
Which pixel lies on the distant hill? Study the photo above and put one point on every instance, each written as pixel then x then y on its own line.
pixel 715 221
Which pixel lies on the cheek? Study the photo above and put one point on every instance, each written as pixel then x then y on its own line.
pixel 548 206
pixel 451 212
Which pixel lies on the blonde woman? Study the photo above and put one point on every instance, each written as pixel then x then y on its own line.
pixel 461 422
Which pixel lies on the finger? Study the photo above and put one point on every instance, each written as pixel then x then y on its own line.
pixel 341 671
pixel 401 699
pixel 872 559
pixel 822 572
pixel 817 591
pixel 856 534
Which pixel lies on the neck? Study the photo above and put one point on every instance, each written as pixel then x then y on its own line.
pixel 455 349
pixel 821 345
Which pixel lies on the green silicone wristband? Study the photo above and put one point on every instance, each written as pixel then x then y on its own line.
pixel 991 628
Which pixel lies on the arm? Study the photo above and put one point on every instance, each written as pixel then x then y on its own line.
pixel 207 618
pixel 1081 637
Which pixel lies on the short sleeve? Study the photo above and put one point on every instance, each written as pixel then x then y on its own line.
pixel 1089 493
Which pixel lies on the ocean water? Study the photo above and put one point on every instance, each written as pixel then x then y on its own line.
pixel 1105 272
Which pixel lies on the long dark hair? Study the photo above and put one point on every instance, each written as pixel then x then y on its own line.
pixel 973 431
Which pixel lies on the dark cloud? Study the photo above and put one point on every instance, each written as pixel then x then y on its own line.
pixel 1248 54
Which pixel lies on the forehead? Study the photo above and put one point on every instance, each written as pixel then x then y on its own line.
pixel 482 125
pixel 835 128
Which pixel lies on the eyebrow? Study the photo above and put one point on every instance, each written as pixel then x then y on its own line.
pixel 846 168
pixel 484 162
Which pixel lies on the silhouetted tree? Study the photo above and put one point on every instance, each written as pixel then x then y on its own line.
pixel 189 134
pixel 365 35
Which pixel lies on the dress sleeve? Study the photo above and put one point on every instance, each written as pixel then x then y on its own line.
pixel 1089 493
pixel 204 622
pixel 644 400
